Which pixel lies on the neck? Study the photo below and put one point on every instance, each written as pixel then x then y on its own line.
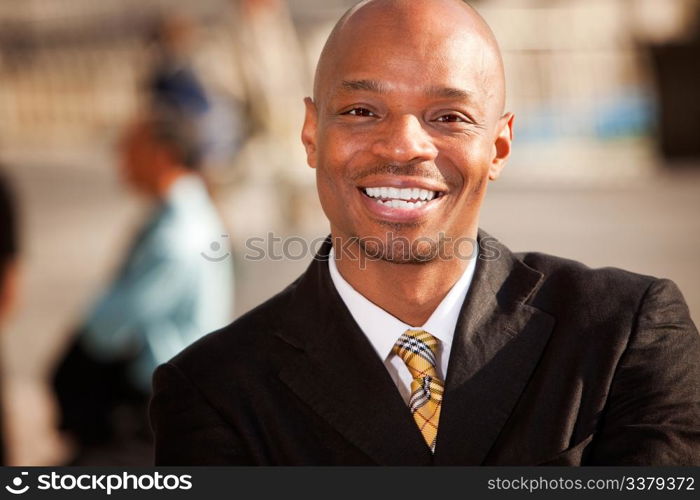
pixel 165 181
pixel 410 292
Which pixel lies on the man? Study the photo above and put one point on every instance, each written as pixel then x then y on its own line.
pixel 394 347
pixel 170 290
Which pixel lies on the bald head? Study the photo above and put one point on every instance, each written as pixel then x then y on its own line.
pixel 414 28
pixel 409 96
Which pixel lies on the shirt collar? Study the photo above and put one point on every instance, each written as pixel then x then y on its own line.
pixel 383 329
pixel 185 189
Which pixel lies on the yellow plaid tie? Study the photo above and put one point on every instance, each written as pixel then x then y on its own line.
pixel 417 349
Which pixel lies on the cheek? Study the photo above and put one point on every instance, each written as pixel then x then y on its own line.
pixel 468 162
pixel 336 145
pixel 329 175
pixel 479 169
pixel 338 155
pixel 326 183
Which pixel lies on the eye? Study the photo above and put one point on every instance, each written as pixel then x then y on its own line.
pixel 451 118
pixel 359 112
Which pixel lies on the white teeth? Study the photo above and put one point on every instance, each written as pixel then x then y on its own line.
pixel 401 203
pixel 404 194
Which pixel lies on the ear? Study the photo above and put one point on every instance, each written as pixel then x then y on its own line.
pixel 308 131
pixel 502 145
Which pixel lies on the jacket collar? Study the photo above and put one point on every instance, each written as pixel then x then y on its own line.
pixel 497 343
pixel 499 339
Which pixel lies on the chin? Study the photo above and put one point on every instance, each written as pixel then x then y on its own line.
pixel 401 245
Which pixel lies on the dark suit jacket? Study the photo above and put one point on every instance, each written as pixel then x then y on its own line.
pixel 552 363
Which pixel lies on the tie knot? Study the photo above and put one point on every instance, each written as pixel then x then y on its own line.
pixel 417 348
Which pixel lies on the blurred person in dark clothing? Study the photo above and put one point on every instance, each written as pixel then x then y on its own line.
pixel 168 292
pixel 174 83
pixel 9 247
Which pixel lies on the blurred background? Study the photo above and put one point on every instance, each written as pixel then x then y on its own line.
pixel 605 169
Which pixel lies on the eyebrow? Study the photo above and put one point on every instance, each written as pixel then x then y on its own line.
pixel 450 93
pixel 379 88
pixel 366 85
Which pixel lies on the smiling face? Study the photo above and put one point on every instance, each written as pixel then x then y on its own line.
pixel 406 127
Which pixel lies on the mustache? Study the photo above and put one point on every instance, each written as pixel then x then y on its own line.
pixel 402 169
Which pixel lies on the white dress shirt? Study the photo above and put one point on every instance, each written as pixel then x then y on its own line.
pixel 383 330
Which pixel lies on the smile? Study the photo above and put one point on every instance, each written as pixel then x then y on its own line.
pixel 406 198
pixel 402 204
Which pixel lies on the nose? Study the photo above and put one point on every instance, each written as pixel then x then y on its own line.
pixel 404 140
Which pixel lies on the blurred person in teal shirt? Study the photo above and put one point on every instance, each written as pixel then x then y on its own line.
pixel 175 285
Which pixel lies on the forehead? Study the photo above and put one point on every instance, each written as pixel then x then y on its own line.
pixel 409 58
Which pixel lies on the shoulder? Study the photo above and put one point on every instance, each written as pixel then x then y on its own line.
pixel 186 236
pixel 566 281
pixel 599 296
pixel 578 277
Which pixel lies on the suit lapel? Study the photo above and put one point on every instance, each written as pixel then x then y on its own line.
pixel 339 375
pixel 498 342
